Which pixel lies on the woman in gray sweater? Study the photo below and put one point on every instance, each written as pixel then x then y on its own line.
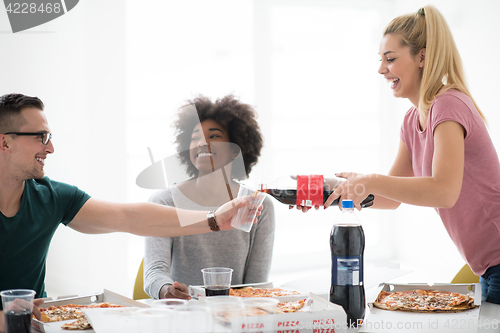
pixel 218 142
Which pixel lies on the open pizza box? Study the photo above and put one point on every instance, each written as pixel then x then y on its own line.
pixel 198 292
pixel 379 320
pixel 105 296
pixel 317 316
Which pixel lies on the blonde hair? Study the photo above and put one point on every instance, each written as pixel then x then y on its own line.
pixel 443 66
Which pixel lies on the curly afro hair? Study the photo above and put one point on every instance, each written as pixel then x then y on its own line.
pixel 239 120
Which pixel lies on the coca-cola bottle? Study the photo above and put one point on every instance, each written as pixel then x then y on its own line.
pixel 306 191
pixel 347 243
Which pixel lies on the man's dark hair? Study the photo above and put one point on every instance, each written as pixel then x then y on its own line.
pixel 11 106
pixel 238 119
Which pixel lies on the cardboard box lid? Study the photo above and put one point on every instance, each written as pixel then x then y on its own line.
pixel 198 292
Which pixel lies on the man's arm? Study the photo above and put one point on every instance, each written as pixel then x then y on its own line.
pixel 148 219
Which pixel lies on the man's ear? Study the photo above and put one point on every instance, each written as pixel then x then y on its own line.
pixel 422 58
pixel 4 143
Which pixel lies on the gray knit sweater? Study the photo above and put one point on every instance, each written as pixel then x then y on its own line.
pixel 181 258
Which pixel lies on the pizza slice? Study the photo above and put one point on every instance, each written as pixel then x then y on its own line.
pixel 79 324
pixel 60 313
pixel 291 306
pixel 261 292
pixel 72 311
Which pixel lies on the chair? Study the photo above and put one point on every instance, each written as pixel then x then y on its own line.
pixel 139 292
pixel 465 275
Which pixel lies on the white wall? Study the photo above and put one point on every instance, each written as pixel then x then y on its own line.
pixel 112 72
pixel 76 65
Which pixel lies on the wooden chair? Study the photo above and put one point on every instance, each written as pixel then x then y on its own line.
pixel 465 275
pixel 139 292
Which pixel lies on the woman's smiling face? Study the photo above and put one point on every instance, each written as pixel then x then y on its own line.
pixel 400 68
pixel 210 148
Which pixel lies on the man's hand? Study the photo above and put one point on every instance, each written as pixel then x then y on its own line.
pixel 20 304
pixel 36 304
pixel 176 290
pixel 225 213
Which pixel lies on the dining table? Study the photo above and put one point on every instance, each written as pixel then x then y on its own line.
pixel 489 313
pixel 318 283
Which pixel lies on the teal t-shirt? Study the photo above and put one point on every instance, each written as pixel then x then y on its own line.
pixel 25 237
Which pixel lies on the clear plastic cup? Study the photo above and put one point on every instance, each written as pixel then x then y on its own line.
pixel 260 314
pixel 243 220
pixel 209 301
pixel 228 315
pixel 154 320
pixel 170 303
pixel 18 305
pixel 194 318
pixel 217 280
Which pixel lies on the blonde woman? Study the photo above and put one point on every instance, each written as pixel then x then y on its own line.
pixel 446 158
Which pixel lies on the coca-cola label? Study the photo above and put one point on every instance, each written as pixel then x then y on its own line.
pixel 310 190
pixel 347 271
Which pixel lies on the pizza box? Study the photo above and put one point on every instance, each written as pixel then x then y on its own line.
pixel 317 316
pixel 105 296
pixel 198 292
pixel 378 320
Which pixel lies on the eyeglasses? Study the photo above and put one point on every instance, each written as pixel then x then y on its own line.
pixel 45 136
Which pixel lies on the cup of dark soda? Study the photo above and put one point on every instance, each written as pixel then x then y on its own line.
pixel 17 306
pixel 217 280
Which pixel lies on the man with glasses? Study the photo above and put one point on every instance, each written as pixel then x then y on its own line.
pixel 32 206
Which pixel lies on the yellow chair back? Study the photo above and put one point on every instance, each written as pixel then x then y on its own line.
pixel 465 275
pixel 139 292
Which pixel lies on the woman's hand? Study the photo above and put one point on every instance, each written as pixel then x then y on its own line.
pixel 329 185
pixel 354 188
pixel 176 290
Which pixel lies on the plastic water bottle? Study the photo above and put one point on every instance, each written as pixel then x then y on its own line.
pixel 347 243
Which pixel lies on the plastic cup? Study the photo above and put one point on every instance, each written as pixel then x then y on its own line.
pixel 154 320
pixel 194 318
pixel 227 315
pixel 260 314
pixel 169 303
pixel 210 301
pixel 217 280
pixel 243 220
pixel 18 305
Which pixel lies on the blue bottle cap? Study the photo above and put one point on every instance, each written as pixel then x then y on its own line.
pixel 347 203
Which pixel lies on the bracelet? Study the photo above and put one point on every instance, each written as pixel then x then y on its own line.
pixel 212 223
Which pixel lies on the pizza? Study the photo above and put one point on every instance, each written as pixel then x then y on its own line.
pixel 262 292
pixel 80 324
pixel 424 301
pixel 291 306
pixel 72 311
pixel 282 307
